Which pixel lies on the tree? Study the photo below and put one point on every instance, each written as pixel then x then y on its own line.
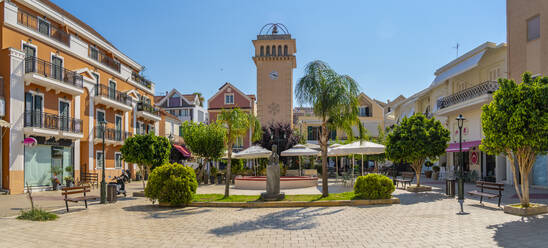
pixel 515 124
pixel 206 141
pixel 416 139
pixel 200 97
pixel 147 151
pixel 334 99
pixel 274 135
pixel 236 124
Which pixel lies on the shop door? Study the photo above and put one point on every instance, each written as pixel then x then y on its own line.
pixel 57 163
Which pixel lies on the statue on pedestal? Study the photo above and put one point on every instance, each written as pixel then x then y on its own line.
pixel 273 178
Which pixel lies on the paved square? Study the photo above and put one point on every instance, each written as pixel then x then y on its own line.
pixel 421 220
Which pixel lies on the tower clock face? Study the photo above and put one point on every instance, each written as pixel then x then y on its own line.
pixel 273 75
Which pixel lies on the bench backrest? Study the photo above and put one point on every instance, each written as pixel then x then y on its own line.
pixel 94 177
pixel 490 185
pixel 75 190
pixel 408 175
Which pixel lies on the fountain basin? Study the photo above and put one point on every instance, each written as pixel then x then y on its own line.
pixel 286 182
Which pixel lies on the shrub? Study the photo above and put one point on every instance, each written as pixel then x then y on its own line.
pixel 37 214
pixel 436 168
pixel 172 183
pixel 374 186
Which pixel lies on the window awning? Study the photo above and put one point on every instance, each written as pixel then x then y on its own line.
pixel 459 68
pixel 454 147
pixel 185 152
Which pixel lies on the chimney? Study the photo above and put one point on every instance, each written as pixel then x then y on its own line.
pixel 166 92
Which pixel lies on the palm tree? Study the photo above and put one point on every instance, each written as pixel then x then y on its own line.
pixel 334 99
pixel 237 123
pixel 200 97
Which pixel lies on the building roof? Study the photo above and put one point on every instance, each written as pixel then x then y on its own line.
pixel 167 114
pixel 383 104
pixel 189 97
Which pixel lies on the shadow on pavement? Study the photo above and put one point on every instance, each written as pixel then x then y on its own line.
pixel 414 198
pixel 290 219
pixel 157 212
pixel 527 232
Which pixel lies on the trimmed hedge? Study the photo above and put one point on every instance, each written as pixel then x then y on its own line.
pixel 374 186
pixel 172 183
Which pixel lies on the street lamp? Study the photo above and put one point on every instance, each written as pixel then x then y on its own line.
pixel 103 124
pixel 460 122
pixel 170 137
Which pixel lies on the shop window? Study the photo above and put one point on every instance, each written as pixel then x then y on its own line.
pixel 99 159
pixel 117 160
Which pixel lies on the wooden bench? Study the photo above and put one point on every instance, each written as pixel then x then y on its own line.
pixel 77 190
pixel 482 185
pixel 406 179
pixel 90 178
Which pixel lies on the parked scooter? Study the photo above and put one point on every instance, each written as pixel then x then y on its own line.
pixel 120 185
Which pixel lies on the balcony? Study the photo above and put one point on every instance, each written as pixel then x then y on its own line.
pixel 52 77
pixel 95 54
pixel 110 97
pixel 45 124
pixel 468 98
pixel 141 80
pixel 148 111
pixel 112 136
pixel 43 27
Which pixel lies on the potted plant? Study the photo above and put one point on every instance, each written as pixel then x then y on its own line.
pixel 212 174
pixel 69 181
pixel 428 173
pixel 138 176
pixel 55 181
pixel 436 173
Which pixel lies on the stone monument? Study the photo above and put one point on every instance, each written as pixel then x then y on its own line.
pixel 273 178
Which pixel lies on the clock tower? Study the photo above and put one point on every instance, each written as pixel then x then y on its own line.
pixel 275 61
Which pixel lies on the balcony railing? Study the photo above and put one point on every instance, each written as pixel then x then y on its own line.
pixel 142 106
pixel 141 80
pixel 95 54
pixel 43 26
pixel 49 70
pixel 111 134
pixel 112 94
pixel 487 87
pixel 40 119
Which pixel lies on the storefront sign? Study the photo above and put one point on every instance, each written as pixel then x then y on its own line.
pixel 474 157
pixel 52 141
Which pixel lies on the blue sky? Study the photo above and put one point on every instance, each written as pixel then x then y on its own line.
pixel 390 47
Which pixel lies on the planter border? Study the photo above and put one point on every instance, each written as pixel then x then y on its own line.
pixel 531 211
pixel 293 204
pixel 422 188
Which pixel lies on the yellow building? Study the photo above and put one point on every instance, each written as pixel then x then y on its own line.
pixel 371 116
pixel 463 86
pixel 62 79
pixel 527 32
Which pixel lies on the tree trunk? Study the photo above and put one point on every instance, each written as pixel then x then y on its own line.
pixel 142 169
pixel 228 170
pixel 202 172
pixel 323 146
pixel 514 174
pixel 417 166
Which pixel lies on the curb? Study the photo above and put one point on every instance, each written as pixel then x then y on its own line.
pixel 290 204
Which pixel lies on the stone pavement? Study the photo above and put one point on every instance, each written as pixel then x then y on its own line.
pixel 421 220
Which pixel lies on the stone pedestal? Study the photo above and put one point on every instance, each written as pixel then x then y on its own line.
pixel 273 179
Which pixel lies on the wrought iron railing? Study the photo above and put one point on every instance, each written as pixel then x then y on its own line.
pixel 40 119
pixel 111 134
pixel 143 106
pixel 95 54
pixel 487 87
pixel 49 70
pixel 141 80
pixel 43 26
pixel 113 94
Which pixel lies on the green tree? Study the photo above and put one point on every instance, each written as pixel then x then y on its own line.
pixel 515 124
pixel 236 124
pixel 334 99
pixel 416 139
pixel 206 141
pixel 147 151
pixel 200 97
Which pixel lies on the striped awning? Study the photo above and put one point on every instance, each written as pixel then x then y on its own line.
pixel 454 147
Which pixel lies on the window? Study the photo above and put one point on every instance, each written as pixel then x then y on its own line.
pixel 100 116
pixel 364 111
pixel 280 50
pixel 34 106
pixel 313 133
pixel 285 50
pixel 112 89
pixel 262 50
pixel 99 159
pixel 533 28
pixel 118 129
pixel 140 127
pixel 64 115
pixel 94 53
pixel 151 128
pixel 229 98
pixel 494 74
pixel 267 50
pixel 30 51
pixel 239 142
pixel 273 50
pixel 43 26
pixel 184 112
pixel 57 68
pixel 117 160
pixel 96 77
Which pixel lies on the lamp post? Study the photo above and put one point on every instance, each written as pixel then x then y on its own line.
pixel 460 122
pixel 103 124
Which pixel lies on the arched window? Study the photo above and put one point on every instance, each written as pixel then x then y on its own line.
pixel 273 50
pixel 285 50
pixel 267 51
pixel 280 50
pixel 262 50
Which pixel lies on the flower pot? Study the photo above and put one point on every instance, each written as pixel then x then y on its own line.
pixel 212 179
pixel 435 175
pixel 428 174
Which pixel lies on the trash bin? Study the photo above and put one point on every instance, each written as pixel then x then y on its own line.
pixel 111 193
pixel 450 187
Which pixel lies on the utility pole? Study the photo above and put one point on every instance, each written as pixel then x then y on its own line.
pixel 457 48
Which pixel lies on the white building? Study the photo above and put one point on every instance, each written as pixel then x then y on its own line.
pixel 187 107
